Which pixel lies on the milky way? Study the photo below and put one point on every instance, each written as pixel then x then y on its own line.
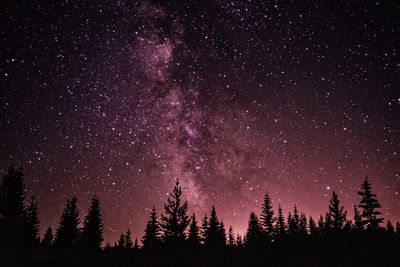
pixel 233 98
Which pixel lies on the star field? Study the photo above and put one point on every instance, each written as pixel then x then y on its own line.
pixel 234 98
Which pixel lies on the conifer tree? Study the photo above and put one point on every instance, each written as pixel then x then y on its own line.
pixel 214 232
pixel 337 213
pixel 358 224
pixel 267 218
pixel 92 233
pixel 231 237
pixel 303 224
pixel 204 229
pixel 128 239
pixel 328 222
pixel 280 228
pixel 348 226
pixel 398 230
pixel 369 205
pixel 175 221
pixel 32 224
pixel 193 235
pixel 121 241
pixel 68 232
pixel 313 227
pixel 389 228
pixel 48 237
pixel 254 234
pixel 294 221
pixel 239 241
pixel 321 225
pixel 222 232
pixel 136 245
pixel 291 224
pixel 151 233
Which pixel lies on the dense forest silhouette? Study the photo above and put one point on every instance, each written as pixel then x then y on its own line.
pixel 176 238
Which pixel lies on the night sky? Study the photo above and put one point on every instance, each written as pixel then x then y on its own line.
pixel 234 98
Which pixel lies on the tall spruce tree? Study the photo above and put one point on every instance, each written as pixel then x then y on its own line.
pixel 321 225
pixel 254 234
pixel 193 236
pixel 312 227
pixel 267 218
pixel 303 224
pixel 67 233
pixel 204 229
pixel 121 241
pixel 280 227
pixel 175 221
pixel 369 205
pixel 328 226
pixel 136 245
pixel 48 237
pixel 32 224
pixel 239 241
pixel 92 233
pixel 231 237
pixel 128 239
pixel 294 221
pixel 222 232
pixel 151 233
pixel 214 236
pixel 389 228
pixel 398 230
pixel 337 213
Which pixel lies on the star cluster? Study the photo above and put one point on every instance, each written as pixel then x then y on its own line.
pixel 234 98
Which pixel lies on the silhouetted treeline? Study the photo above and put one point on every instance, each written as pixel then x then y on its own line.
pixel 177 239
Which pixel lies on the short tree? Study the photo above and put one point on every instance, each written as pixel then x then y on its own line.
pixel 369 205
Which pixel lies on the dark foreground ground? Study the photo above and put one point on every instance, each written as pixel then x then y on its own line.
pixel 366 251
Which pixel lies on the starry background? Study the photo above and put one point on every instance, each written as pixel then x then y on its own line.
pixel 234 98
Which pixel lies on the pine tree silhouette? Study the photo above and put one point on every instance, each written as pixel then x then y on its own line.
pixel 358 224
pixel 369 205
pixel 389 228
pixel 293 222
pixel 128 239
pixel 398 230
pixel 328 225
pixel 193 236
pixel 175 221
pixel 67 233
pixel 222 232
pixel 254 234
pixel 121 241
pixel 214 237
pixel 32 224
pixel 92 232
pixel 231 237
pixel 151 232
pixel 136 245
pixel 303 224
pixel 267 218
pixel 239 241
pixel 204 229
pixel 321 225
pixel 48 237
pixel 313 227
pixel 280 228
pixel 337 213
